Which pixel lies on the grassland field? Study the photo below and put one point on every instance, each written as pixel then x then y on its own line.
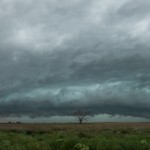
pixel 72 136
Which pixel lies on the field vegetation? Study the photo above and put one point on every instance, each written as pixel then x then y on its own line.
pixel 92 136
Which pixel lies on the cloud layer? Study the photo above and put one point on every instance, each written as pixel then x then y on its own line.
pixel 59 56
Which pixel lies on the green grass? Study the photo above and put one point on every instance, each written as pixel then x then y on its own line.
pixel 106 139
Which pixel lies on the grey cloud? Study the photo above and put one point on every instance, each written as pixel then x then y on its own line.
pixel 108 98
pixel 62 44
pixel 135 8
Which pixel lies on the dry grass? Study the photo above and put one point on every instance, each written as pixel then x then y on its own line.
pixel 94 127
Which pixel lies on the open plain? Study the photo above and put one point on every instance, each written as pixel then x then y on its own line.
pixel 72 136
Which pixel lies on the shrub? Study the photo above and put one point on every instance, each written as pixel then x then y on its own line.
pixel 81 146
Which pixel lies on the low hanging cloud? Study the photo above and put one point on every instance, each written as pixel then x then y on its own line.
pixel 60 56
pixel 119 98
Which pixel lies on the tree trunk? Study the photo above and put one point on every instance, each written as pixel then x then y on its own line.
pixel 80 121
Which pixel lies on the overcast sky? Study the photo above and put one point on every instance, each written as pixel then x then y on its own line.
pixel 57 56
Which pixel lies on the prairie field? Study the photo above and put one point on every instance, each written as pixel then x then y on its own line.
pixel 71 136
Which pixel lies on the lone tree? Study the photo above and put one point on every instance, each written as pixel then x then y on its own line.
pixel 81 115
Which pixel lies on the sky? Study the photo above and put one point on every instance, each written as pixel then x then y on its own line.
pixel 59 56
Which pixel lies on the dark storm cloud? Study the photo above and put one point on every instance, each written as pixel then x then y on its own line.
pixel 125 99
pixel 53 54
